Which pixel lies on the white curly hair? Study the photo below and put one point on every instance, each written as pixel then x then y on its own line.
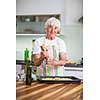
pixel 52 21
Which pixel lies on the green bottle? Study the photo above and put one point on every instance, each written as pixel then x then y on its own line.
pixel 26 55
pixel 28 73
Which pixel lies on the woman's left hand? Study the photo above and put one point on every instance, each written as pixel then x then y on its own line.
pixel 52 62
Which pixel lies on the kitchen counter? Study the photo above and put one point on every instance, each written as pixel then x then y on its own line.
pixel 45 91
pixel 22 62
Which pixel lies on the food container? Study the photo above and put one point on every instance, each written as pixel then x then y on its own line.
pixel 59 79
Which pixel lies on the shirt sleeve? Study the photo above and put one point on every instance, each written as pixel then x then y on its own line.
pixel 62 46
pixel 37 48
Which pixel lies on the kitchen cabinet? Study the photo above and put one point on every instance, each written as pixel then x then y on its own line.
pixel 32 24
pixel 20 70
pixel 76 71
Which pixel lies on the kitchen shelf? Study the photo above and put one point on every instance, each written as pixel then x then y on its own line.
pixel 34 34
pixel 29 25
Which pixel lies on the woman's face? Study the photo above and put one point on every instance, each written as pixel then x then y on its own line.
pixel 52 30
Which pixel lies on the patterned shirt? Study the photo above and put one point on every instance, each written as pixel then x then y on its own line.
pixel 54 47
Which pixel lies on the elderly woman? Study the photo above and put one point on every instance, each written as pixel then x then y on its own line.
pixel 50 51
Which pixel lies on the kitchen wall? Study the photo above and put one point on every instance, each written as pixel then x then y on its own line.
pixel 71 11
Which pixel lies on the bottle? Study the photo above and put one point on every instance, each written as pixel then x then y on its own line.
pixel 26 55
pixel 28 73
pixel 33 41
pixel 32 56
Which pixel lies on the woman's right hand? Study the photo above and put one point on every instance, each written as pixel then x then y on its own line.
pixel 45 54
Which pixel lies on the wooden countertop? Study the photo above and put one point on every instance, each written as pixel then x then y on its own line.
pixel 44 91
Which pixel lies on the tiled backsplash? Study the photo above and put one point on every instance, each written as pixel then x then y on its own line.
pixel 72 35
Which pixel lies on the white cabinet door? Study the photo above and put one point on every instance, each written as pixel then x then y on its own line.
pixel 74 72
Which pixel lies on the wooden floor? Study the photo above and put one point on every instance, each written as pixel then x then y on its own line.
pixel 44 91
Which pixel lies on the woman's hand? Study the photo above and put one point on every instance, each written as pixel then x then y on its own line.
pixel 52 62
pixel 45 54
